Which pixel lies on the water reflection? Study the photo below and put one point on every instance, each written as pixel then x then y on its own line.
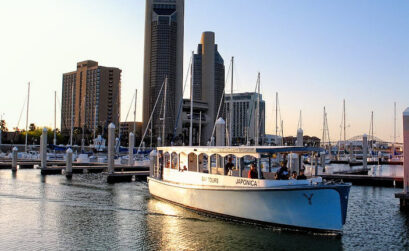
pixel 176 228
pixel 38 213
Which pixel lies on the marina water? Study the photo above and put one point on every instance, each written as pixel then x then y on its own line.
pixel 49 212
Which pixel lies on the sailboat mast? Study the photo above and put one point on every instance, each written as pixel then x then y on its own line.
pixel 258 110
pixel 28 105
pixel 191 102
pixel 134 113
pixel 231 104
pixel 55 118
pixel 95 120
pixel 164 112
pixel 394 123
pixel 282 132
pixel 276 115
pixel 72 114
pixel 200 126
pixel 372 136
pixel 345 133
pixel 323 128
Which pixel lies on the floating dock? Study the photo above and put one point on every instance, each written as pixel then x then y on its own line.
pixel 366 180
pixel 127 176
pixel 90 169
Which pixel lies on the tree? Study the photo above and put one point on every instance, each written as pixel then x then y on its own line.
pixel 32 127
pixel 3 126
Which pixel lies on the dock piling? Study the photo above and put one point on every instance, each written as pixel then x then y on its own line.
pixel 130 148
pixel 365 151
pixel 14 159
pixel 68 167
pixel 43 148
pixel 111 147
pixel 404 196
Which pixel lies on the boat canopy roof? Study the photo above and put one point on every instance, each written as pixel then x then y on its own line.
pixel 239 151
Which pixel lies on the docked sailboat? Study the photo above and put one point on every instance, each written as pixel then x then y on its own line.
pixel 194 177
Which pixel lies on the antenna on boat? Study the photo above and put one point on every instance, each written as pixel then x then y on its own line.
pixel 191 103
pixel 28 105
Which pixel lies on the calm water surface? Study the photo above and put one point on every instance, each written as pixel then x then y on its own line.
pixel 51 213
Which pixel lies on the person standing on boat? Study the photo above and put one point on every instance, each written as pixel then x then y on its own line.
pixel 229 166
pixel 253 174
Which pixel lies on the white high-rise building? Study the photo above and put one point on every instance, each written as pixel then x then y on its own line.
pixel 244 117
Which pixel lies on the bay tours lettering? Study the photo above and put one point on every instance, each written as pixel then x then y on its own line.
pixel 210 180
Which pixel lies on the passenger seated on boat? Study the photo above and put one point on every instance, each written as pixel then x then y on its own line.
pixel 293 175
pixel 229 166
pixel 301 176
pixel 252 172
pixel 184 168
pixel 276 176
pixel 283 171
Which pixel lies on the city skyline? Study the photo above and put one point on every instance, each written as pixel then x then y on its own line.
pixel 315 55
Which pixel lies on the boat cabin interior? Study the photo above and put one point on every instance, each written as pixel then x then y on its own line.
pixel 234 161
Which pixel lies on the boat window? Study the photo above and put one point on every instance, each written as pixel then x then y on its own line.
pixel 174 162
pixel 166 160
pixel 192 162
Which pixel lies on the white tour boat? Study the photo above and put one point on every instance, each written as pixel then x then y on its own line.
pixel 185 176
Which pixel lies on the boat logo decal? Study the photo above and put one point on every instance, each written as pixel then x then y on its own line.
pixel 308 198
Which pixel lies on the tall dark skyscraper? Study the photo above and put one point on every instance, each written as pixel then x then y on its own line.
pixel 164 25
pixel 208 80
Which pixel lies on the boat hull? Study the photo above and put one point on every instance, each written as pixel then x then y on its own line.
pixel 318 208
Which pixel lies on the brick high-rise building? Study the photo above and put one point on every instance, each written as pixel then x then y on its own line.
pixel 96 95
pixel 163 57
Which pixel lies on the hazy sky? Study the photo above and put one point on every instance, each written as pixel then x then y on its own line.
pixel 313 53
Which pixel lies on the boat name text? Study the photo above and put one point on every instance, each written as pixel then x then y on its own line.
pixel 245 182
